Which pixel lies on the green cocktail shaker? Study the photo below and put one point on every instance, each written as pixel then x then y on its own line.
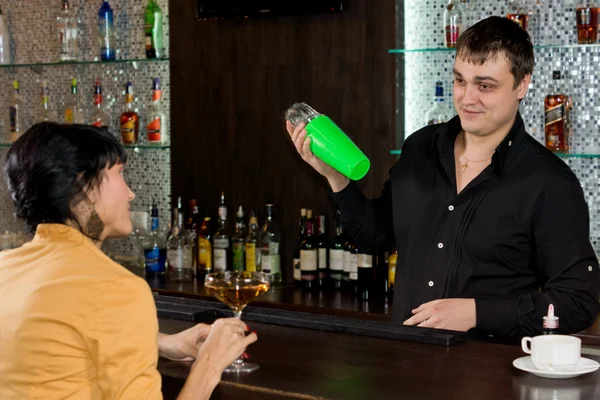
pixel 329 142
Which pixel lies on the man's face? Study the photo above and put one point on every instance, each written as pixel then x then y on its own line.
pixel 484 95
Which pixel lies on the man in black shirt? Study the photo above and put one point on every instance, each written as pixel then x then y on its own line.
pixel 490 226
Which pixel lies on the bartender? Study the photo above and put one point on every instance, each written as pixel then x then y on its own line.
pixel 490 226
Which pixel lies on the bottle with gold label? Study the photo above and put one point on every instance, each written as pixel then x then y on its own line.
pixel 204 261
pixel 130 120
pixel 392 260
pixel 251 240
pixel 557 110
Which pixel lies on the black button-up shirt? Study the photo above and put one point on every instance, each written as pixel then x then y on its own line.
pixel 515 239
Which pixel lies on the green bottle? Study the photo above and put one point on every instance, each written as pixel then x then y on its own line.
pixel 154 30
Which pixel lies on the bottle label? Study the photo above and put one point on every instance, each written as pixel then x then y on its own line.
pixel 221 243
pixel 323 258
pixel 220 258
pixel 555 114
pixel 238 256
pixel 175 258
pixel 353 266
pixel 251 258
pixel 153 130
pixel 365 261
pixel 151 258
pixel 584 16
pixel 69 116
pixel 14 112
pixel 452 33
pixel 266 263
pixel 97 123
pixel 392 269
pixel 336 260
pixel 273 248
pixel 127 132
pixel 297 270
pixel 204 253
pixel 148 42
pixel 308 260
pixel 222 212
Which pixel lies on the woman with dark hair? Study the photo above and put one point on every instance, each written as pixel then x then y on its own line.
pixel 74 324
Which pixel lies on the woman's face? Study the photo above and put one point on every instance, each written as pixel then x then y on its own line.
pixel 111 203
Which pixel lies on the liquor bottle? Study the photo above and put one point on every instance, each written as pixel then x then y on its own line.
pixel 557 110
pixel 352 265
pixel 179 250
pixel 73 110
pixel 5 55
pixel 99 118
pixel 453 23
pixel 439 113
pixel 221 240
pixel 45 112
pixel 155 250
pixel 239 237
pixel 16 114
pixel 297 271
pixel 517 12
pixel 587 22
pixel 365 276
pixel 106 32
pixel 381 274
pixel 251 253
pixel 153 30
pixel 392 261
pixel 204 262
pixel 309 258
pixel 156 131
pixel 193 224
pixel 68 33
pixel 336 258
pixel 322 243
pixel 130 120
pixel 269 241
pixel 469 14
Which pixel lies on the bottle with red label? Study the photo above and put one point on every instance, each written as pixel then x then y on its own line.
pixel 130 120
pixel 453 23
pixel 156 131
pixel 99 118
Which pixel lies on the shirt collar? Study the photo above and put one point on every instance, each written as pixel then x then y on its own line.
pixel 55 233
pixel 445 137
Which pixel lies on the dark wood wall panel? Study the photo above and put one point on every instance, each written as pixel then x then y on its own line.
pixel 231 82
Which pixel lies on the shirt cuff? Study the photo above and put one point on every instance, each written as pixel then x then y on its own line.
pixel 347 198
pixel 496 316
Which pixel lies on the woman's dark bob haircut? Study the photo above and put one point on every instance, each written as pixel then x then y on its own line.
pixel 52 166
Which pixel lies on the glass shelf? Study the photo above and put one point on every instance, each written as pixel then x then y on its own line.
pixel 135 147
pixel 56 63
pixel 397 152
pixel 445 49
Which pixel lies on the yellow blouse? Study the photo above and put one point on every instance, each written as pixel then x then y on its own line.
pixel 74 324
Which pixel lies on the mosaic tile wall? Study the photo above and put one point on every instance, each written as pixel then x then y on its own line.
pixel 552 22
pixel 32 27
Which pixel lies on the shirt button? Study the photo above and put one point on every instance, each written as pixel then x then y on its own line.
pixel 430 283
pixel 590 268
pixel 451 208
pixel 510 143
pixel 440 245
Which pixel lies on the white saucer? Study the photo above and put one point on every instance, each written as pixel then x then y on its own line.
pixel 585 366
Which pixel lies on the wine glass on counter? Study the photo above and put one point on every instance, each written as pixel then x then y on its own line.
pixel 237 289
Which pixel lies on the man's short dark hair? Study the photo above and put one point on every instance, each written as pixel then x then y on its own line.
pixel 496 36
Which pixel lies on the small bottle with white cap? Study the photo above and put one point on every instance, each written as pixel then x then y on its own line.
pixel 550 322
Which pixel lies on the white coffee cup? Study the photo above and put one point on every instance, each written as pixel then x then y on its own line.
pixel 553 352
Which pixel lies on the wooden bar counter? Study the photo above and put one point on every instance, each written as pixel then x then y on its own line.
pixel 309 364
pixel 313 364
